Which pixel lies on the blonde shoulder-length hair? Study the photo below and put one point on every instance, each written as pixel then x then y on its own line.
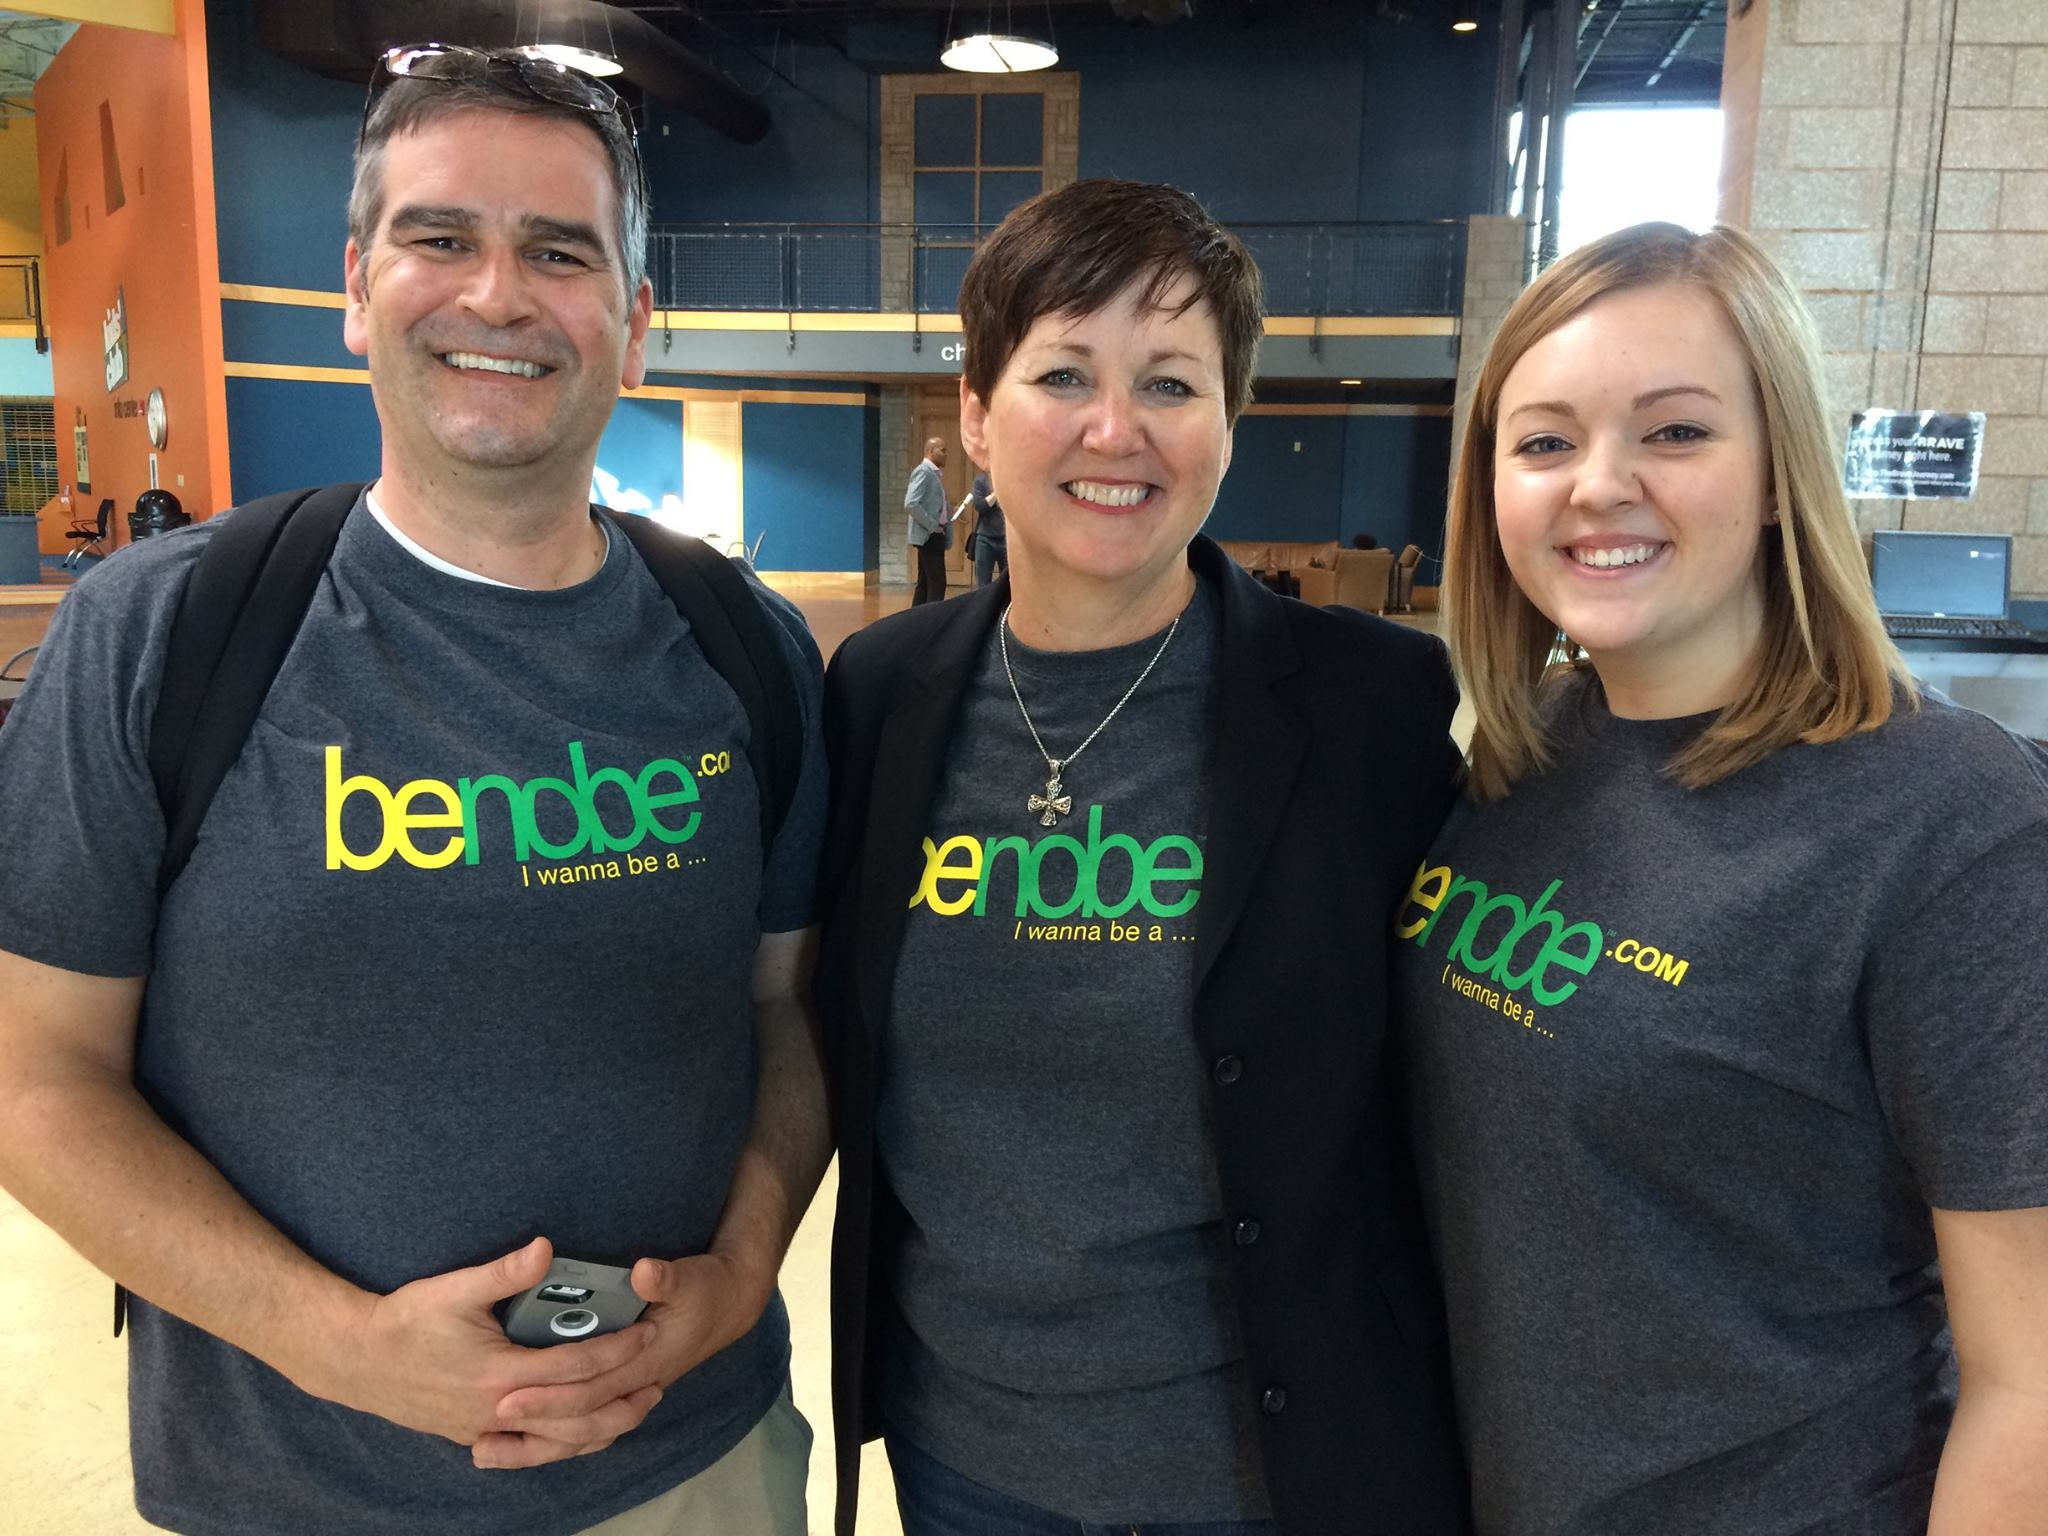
pixel 1826 668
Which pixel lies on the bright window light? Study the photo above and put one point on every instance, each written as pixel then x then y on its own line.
pixel 1625 167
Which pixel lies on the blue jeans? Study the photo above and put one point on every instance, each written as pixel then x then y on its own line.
pixel 934 1500
pixel 988 554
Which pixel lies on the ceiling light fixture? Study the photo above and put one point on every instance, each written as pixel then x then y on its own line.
pixel 1000 51
pixel 582 55
pixel 1464 16
pixel 569 56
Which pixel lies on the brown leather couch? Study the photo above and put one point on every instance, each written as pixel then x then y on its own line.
pixel 1357 578
pixel 1269 557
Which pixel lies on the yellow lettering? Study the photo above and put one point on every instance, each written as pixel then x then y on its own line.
pixel 1625 951
pixel 339 854
pixel 939 866
pixel 1427 893
pixel 403 820
pixel 1647 957
pixel 1667 971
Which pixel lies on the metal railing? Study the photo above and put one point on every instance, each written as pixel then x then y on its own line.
pixel 21 294
pixel 1309 269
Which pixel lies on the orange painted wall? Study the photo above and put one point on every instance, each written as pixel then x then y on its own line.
pixel 158 249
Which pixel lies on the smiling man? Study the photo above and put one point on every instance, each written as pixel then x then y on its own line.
pixel 487 953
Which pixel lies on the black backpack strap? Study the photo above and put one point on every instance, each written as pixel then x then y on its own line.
pixel 238 616
pixel 240 613
pixel 742 642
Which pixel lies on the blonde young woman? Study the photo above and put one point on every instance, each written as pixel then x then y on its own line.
pixel 1724 990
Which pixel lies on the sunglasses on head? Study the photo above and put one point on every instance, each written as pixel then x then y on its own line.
pixel 542 78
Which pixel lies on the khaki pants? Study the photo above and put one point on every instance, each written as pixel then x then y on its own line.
pixel 754 1489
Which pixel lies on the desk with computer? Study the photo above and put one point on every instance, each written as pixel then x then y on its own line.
pixel 1947 604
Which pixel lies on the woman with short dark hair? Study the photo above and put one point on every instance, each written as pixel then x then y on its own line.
pixel 1126 1231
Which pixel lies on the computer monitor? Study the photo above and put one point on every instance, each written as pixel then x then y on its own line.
pixel 1946 575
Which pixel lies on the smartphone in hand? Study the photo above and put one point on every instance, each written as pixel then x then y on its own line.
pixel 577 1300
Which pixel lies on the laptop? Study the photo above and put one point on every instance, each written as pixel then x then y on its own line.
pixel 1944 586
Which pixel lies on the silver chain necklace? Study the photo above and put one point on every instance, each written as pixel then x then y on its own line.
pixel 1056 802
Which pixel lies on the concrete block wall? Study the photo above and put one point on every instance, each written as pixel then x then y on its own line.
pixel 893 452
pixel 1496 270
pixel 1898 169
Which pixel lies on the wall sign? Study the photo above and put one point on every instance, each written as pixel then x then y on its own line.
pixel 1913 455
pixel 114 336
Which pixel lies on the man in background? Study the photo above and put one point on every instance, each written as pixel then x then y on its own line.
pixel 991 548
pixel 925 500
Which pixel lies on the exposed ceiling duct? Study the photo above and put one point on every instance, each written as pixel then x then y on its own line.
pixel 339 38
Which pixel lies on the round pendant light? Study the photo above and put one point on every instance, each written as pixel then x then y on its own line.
pixel 989 53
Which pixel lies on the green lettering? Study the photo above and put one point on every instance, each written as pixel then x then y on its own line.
pixel 1034 875
pixel 1021 850
pixel 1460 884
pixel 526 820
pixel 1091 868
pixel 650 802
pixel 1172 843
pixel 601 838
pixel 1555 952
pixel 1538 915
pixel 471 792
pixel 1468 934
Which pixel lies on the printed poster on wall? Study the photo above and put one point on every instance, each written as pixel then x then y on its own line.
pixel 114 335
pixel 1913 455
pixel 80 460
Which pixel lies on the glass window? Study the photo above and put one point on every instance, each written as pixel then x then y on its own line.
pixel 1003 190
pixel 1012 129
pixel 945 130
pixel 946 197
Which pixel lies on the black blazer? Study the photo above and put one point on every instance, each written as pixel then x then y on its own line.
pixel 1331 769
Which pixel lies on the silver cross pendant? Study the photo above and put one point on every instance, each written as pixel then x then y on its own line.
pixel 1054 803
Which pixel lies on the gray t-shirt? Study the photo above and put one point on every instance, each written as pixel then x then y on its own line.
pixel 1690 1068
pixel 1068 1333
pixel 462 957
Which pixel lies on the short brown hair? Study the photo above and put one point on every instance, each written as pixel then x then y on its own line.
pixel 1825 668
pixel 1073 250
pixel 409 105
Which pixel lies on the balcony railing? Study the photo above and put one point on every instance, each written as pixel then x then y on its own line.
pixel 1309 269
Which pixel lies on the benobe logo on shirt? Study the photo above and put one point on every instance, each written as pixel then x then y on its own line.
pixel 967 865
pixel 1571 948
pixel 433 805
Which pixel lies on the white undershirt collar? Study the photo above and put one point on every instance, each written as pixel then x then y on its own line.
pixel 447 567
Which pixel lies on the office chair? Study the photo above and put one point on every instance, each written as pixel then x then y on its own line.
pixel 89 535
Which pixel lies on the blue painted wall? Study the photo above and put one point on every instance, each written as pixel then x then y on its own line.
pixel 817 164
pixel 283 138
pixel 804 486
pixel 24 370
pixel 1383 475
pixel 286 433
